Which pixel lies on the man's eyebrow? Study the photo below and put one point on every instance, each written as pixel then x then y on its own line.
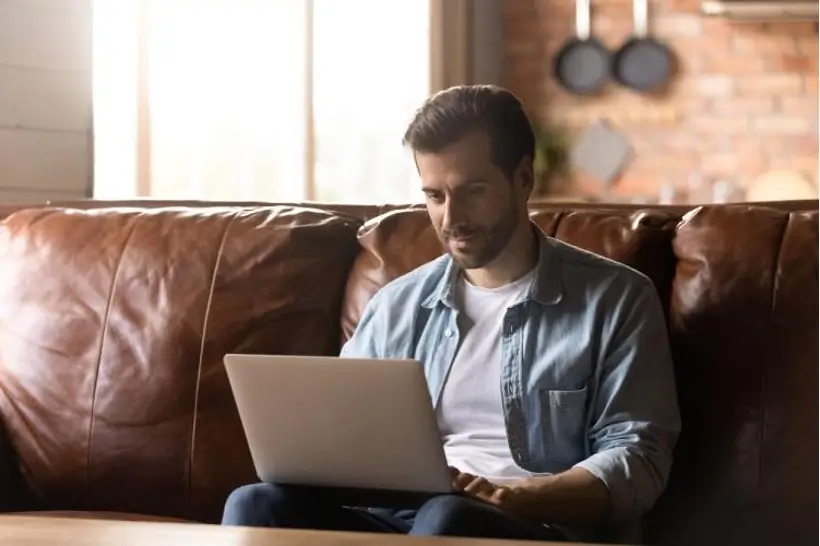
pixel 470 182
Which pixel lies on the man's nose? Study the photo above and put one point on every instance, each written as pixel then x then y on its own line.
pixel 453 214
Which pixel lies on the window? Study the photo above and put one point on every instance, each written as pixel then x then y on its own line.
pixel 272 100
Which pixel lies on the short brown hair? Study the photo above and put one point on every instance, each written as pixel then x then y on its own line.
pixel 448 115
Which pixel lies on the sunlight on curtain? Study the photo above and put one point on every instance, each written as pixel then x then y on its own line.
pixel 114 81
pixel 371 71
pixel 227 95
pixel 226 91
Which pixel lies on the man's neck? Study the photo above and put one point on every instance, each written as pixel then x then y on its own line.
pixel 516 260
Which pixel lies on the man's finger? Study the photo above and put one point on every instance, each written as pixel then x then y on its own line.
pixel 480 487
pixel 463 480
pixel 475 485
pixel 501 495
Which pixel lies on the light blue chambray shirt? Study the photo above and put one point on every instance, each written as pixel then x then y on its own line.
pixel 587 377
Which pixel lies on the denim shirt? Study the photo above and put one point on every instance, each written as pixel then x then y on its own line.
pixel 587 377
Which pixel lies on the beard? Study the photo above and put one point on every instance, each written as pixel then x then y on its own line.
pixel 485 242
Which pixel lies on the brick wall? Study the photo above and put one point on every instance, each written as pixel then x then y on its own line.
pixel 744 99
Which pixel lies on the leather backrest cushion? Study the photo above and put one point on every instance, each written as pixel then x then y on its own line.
pixel 399 241
pixel 113 326
pixel 744 319
pixel 392 244
pixel 11 488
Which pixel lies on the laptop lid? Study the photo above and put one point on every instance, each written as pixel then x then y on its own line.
pixel 339 422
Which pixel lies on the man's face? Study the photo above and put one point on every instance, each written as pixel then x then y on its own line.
pixel 474 208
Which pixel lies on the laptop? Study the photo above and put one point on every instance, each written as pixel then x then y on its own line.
pixel 355 426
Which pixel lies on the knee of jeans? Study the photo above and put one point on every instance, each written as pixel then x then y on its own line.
pixel 445 513
pixel 250 500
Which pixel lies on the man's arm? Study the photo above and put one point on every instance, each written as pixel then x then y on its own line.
pixel 635 425
pixel 574 496
pixel 366 341
pixel 636 419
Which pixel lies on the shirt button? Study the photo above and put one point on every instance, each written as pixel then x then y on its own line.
pixel 448 333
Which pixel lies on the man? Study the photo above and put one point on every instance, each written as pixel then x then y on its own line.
pixel 549 366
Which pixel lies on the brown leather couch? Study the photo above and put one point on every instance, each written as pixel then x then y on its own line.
pixel 114 318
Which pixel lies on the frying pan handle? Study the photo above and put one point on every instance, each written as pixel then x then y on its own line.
pixel 640 11
pixel 582 25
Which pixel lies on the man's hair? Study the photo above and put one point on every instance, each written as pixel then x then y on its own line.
pixel 449 115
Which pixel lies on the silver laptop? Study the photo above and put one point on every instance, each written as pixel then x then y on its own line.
pixel 339 422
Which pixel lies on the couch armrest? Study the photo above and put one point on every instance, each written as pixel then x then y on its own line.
pixel 11 483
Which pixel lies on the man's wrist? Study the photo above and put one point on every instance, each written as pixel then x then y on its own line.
pixel 522 495
pixel 571 496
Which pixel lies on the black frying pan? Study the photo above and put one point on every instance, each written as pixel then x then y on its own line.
pixel 642 63
pixel 582 65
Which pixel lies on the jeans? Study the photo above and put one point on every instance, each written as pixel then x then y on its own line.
pixel 289 506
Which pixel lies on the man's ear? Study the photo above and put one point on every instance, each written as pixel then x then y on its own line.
pixel 525 176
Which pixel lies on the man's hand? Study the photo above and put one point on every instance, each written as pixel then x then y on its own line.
pixel 480 488
pixel 569 497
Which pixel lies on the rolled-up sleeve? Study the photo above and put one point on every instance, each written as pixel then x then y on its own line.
pixel 635 416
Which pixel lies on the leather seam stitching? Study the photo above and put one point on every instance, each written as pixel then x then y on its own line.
pixel 217 262
pixel 776 273
pixel 112 288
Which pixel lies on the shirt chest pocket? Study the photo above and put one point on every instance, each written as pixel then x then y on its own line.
pixel 563 422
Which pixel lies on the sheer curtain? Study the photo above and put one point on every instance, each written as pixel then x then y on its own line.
pixel 226 99
pixel 273 100
pixel 371 71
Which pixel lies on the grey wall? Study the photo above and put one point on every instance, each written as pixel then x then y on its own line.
pixel 45 99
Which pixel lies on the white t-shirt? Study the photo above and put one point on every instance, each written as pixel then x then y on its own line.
pixel 470 413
